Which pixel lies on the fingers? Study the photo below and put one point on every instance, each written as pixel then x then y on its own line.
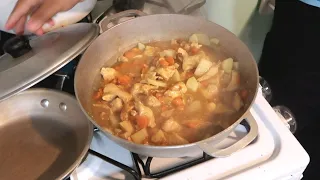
pixel 19 28
pixel 22 8
pixel 42 15
pixel 51 22
pixel 39 32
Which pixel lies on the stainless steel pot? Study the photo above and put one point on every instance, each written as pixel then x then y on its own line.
pixel 166 27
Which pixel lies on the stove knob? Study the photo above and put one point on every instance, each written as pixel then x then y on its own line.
pixel 287 117
pixel 17 46
pixel 265 88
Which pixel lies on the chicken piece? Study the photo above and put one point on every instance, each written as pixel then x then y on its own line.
pixel 113 89
pixel 187 47
pixel 177 90
pixel 195 45
pixel 124 115
pixel 168 113
pixel 180 87
pixel 145 111
pixel 174 42
pixel 149 75
pixel 114 120
pixel 139 88
pixel 123 59
pixel 101 105
pixel 168 53
pixel 210 91
pixel 192 62
pixel 149 51
pixel 203 67
pixel 133 113
pixel 234 82
pixel 171 125
pixel 153 101
pixel 167 72
pixel 141 46
pixel 138 56
pixel 116 105
pixel 109 97
pixel 156 83
pixel 108 74
pixel 214 69
pixel 183 54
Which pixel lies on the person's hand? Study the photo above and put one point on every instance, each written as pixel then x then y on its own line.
pixel 40 11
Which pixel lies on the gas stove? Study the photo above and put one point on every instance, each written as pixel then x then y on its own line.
pixel 275 154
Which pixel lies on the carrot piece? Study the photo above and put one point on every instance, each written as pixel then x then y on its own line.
pixel 180 108
pixel 164 108
pixel 130 54
pixel 158 95
pixel 124 80
pixel 163 63
pixel 136 50
pixel 192 124
pixel 117 67
pixel 161 99
pixel 205 83
pixel 194 50
pixel 178 102
pixel 142 121
pixel 170 60
pixel 189 74
pixel 98 94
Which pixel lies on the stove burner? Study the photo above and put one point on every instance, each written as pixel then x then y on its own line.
pixel 122 5
pixel 146 166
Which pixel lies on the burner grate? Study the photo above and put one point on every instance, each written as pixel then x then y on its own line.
pixel 139 164
pixel 147 166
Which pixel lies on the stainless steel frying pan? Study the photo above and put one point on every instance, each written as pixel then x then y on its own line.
pixel 123 36
pixel 43 135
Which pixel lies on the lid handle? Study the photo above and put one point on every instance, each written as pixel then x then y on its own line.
pixel 17 46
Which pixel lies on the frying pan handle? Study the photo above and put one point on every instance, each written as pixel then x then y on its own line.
pixel 104 23
pixel 245 141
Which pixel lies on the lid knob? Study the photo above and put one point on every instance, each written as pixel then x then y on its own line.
pixel 17 46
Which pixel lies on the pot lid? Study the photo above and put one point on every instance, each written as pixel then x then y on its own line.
pixel 29 60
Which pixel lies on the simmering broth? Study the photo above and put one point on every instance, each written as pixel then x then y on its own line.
pixel 169 93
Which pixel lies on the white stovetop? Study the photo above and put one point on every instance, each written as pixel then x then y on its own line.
pixel 276 154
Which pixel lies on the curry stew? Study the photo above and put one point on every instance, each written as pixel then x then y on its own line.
pixel 169 92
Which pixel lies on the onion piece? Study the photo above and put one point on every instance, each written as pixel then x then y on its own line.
pixel 203 67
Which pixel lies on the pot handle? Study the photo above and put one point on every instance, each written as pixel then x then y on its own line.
pixel 105 22
pixel 245 141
